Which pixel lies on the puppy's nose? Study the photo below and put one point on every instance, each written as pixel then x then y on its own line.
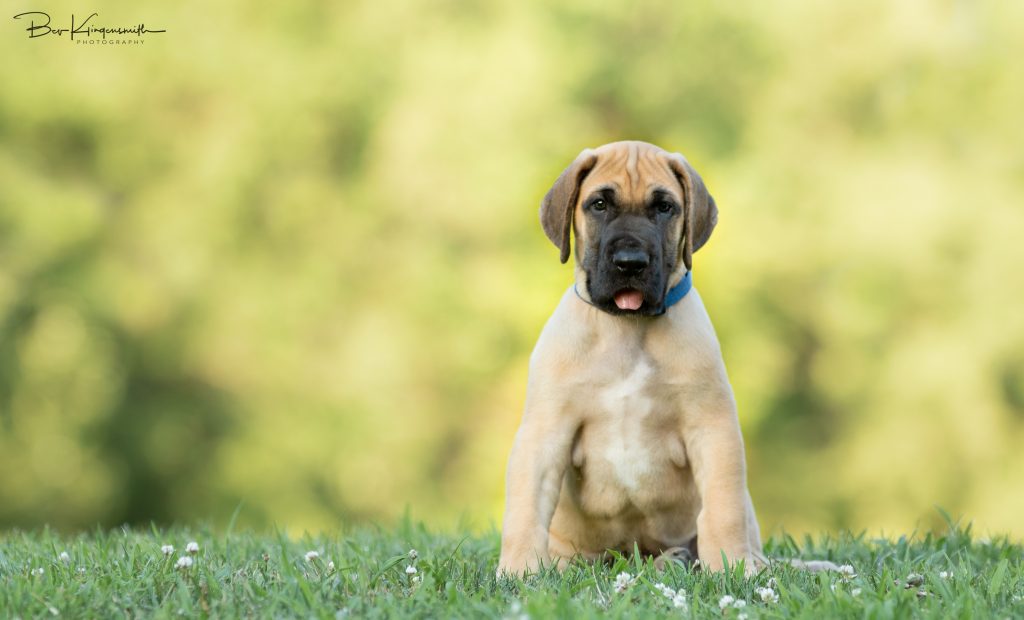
pixel 631 260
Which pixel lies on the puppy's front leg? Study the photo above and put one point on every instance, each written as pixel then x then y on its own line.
pixel 539 458
pixel 715 447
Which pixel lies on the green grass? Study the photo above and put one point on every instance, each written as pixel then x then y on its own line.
pixel 124 573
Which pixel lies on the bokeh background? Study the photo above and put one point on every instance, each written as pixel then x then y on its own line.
pixel 286 257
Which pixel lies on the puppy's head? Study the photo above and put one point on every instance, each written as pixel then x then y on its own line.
pixel 638 214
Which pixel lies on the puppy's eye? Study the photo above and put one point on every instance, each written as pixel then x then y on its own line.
pixel 664 207
pixel 599 205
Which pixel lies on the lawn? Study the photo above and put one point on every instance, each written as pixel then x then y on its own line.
pixel 410 571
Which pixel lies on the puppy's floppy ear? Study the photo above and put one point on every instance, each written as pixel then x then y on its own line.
pixel 700 214
pixel 558 205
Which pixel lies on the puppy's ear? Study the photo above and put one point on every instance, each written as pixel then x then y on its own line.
pixel 700 214
pixel 557 208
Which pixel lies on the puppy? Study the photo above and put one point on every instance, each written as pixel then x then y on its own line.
pixel 630 434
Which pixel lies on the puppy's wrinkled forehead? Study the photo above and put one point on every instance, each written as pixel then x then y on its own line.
pixel 631 173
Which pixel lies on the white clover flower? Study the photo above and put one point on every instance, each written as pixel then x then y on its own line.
pixel 847 571
pixel 679 600
pixel 413 554
pixel 855 592
pixel 330 565
pixel 64 557
pixel 741 616
pixel 37 572
pixel 81 570
pixel 410 570
pixel 740 603
pixel 417 579
pixel 622 582
pixel 726 601
pixel 192 547
pixel 312 555
pixel 183 562
pixel 167 550
pixel 945 574
pixel 767 595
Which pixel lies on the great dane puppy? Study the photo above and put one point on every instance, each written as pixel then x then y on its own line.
pixel 630 434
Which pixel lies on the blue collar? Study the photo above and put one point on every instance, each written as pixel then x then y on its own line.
pixel 672 297
pixel 677 292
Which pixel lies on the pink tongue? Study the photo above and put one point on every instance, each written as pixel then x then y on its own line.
pixel 629 299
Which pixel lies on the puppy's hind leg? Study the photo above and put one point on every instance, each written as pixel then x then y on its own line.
pixel 814 566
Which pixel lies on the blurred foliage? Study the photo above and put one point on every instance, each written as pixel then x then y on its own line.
pixel 287 256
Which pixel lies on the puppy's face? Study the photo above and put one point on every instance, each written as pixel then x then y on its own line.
pixel 638 214
pixel 628 224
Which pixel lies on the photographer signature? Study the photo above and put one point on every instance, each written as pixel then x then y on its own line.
pixel 83 28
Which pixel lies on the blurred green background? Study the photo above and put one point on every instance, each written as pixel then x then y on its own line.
pixel 287 256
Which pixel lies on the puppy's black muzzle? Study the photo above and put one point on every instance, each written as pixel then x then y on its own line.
pixel 631 261
pixel 629 258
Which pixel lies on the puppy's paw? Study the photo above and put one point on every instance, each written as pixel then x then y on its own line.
pixel 682 555
pixel 510 569
pixel 752 564
pixel 518 566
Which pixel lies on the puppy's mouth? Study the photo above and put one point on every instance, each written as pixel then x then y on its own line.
pixel 629 299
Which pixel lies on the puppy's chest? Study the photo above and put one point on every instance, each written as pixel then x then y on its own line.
pixel 629 439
